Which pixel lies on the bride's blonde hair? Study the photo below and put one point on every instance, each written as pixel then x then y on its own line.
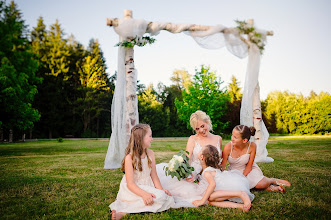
pixel 136 147
pixel 202 116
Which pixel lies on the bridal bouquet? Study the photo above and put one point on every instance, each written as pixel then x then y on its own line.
pixel 178 166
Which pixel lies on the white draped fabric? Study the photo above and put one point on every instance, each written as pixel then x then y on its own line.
pixel 214 38
pixel 118 139
pixel 247 109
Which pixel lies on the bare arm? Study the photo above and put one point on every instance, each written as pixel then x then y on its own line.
pixel 132 186
pixel 249 165
pixel 220 150
pixel 189 148
pixel 154 175
pixel 210 189
pixel 225 155
pixel 220 138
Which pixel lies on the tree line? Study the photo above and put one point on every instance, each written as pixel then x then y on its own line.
pixel 52 86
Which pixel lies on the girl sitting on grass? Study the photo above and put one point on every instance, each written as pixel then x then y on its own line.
pixel 219 186
pixel 140 188
pixel 240 153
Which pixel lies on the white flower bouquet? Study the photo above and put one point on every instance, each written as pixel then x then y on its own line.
pixel 178 166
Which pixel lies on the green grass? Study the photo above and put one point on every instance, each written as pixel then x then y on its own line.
pixel 52 180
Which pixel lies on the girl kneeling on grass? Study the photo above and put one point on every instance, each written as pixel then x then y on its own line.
pixel 220 186
pixel 140 188
pixel 241 154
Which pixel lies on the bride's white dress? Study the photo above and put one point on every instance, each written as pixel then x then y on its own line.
pixel 185 192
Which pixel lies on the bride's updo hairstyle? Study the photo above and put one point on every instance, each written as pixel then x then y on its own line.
pixel 202 116
pixel 245 131
pixel 136 147
pixel 212 157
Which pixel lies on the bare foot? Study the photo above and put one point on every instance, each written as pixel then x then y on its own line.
pixel 276 188
pixel 117 215
pixel 247 202
pixel 280 182
pixel 242 207
pixel 227 204
pixel 113 215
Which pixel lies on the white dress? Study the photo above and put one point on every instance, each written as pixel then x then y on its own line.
pixel 129 202
pixel 227 181
pixel 185 192
pixel 195 160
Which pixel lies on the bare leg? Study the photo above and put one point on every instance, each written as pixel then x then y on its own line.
pixel 117 215
pixel 281 182
pixel 276 188
pixel 220 199
pixel 220 195
pixel 266 182
pixel 226 204
pixel 246 200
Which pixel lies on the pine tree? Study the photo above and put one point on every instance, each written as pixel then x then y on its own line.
pixel 151 111
pixel 234 90
pixel 234 104
pixel 182 79
pixel 53 56
pixel 94 88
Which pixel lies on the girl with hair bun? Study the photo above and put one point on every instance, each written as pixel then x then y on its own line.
pixel 240 153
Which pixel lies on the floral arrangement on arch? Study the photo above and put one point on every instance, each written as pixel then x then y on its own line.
pixel 253 36
pixel 138 41
pixel 179 166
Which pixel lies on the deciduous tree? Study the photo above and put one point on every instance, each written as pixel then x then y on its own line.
pixel 205 94
pixel 17 72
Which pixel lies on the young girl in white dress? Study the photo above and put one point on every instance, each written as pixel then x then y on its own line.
pixel 213 182
pixel 240 153
pixel 140 189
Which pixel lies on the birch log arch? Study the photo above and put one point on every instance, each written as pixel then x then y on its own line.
pixel 124 109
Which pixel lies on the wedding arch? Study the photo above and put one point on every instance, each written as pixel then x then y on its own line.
pixel 242 41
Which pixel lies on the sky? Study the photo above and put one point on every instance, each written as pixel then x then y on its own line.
pixel 297 58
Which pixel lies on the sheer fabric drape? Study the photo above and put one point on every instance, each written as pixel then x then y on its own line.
pixel 246 111
pixel 118 139
pixel 213 38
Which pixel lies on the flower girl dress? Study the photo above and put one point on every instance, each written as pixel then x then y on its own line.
pixel 128 202
pixel 227 181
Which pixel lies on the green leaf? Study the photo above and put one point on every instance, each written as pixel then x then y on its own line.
pixel 184 166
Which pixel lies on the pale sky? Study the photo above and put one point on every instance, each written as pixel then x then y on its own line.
pixel 297 58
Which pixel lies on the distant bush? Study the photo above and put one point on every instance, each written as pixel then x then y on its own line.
pixel 296 114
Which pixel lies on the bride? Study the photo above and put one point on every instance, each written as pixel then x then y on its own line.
pixel 186 191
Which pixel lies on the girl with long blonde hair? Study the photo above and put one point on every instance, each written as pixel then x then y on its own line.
pixel 140 189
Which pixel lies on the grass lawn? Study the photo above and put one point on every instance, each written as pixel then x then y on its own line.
pixel 52 180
